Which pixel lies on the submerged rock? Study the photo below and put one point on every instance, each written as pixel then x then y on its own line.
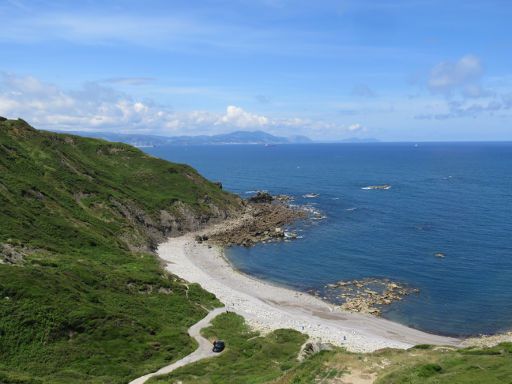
pixel 367 295
pixel 383 186
pixel 283 198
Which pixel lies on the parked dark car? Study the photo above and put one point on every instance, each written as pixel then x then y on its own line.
pixel 218 346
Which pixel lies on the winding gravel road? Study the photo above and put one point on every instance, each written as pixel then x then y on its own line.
pixel 203 351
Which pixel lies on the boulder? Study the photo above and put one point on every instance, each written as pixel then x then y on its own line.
pixel 261 197
pixel 10 254
pixel 312 347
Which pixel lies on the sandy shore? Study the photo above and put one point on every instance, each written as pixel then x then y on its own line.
pixel 267 307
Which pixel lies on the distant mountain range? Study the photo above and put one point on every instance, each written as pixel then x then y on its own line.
pixel 238 137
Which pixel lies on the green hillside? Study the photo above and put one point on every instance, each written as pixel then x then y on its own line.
pixel 82 298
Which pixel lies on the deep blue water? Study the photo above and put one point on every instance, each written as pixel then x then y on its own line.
pixel 454 198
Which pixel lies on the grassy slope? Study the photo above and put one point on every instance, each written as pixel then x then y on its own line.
pixel 466 366
pixel 253 359
pixel 420 365
pixel 82 307
pixel 249 358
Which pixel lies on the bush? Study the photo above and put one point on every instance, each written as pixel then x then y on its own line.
pixel 428 370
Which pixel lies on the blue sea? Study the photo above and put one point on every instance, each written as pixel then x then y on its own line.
pixel 454 198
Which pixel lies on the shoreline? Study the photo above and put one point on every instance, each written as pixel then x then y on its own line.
pixel 267 306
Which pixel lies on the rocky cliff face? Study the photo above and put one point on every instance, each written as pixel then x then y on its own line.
pixel 175 221
pixel 66 188
pixel 259 222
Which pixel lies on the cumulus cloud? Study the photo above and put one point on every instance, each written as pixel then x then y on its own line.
pixel 463 75
pixel 239 118
pixel 90 107
pixel 96 107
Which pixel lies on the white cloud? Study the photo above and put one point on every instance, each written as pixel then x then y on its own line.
pixel 239 118
pixel 95 107
pixel 469 108
pixel 463 75
pixel 460 83
pixel 92 107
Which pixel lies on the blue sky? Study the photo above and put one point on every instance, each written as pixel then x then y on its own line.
pixel 407 70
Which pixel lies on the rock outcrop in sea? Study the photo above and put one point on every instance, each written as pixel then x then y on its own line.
pixel 366 295
pixel 261 197
pixel 264 219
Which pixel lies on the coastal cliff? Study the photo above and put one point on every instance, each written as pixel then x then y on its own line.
pixel 82 295
pixel 95 184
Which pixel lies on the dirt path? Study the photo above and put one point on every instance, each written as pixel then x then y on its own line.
pixel 202 352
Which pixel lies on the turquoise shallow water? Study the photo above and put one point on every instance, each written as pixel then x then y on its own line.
pixel 454 198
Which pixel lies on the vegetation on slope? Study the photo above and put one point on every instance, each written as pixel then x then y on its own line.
pixel 82 299
pixel 248 359
pixel 420 365
pixel 465 366
pixel 251 358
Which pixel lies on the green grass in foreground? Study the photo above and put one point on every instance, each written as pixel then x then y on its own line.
pixel 424 365
pixel 248 359
pixel 466 366
pixel 251 358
